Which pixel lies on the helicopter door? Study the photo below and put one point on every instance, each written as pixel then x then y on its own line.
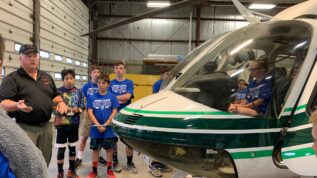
pixel 297 152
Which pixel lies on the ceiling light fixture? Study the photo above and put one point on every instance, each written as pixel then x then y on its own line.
pixel 261 6
pixel 157 4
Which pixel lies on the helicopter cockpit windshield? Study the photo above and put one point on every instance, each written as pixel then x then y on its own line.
pixel 216 66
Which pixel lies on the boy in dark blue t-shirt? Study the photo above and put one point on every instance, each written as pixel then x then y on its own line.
pixel 122 88
pixel 165 71
pixel 102 107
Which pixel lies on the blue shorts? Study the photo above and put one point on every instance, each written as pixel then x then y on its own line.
pixel 105 143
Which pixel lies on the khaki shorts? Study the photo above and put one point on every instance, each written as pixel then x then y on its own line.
pixel 42 137
pixel 85 129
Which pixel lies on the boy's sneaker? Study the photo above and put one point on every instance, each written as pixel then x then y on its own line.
pixel 102 161
pixel 92 174
pixel 162 167
pixel 71 174
pixel 116 167
pixel 60 175
pixel 154 171
pixel 78 163
pixel 131 167
pixel 110 174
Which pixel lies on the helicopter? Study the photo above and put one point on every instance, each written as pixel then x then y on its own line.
pixel 187 125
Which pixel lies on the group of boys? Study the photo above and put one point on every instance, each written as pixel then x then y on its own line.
pixel 103 98
pixel 99 100
pixel 29 95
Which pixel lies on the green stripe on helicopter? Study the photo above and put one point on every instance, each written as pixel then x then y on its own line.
pixel 139 111
pixel 297 153
pixel 251 154
pixel 298 108
pixel 223 139
pixel 213 123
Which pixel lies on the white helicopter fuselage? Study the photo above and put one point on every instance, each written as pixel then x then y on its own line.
pixel 187 122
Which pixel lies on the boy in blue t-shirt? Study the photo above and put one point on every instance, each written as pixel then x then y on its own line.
pixel 165 71
pixel 241 92
pixel 102 107
pixel 123 89
pixel 89 89
pixel 67 124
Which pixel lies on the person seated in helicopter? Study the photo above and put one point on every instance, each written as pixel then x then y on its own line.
pixel 259 91
pixel 241 91
pixel 313 119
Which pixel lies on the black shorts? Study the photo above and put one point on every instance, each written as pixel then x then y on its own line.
pixel 105 143
pixel 69 136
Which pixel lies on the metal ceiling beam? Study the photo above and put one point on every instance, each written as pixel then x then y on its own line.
pixel 211 1
pixel 175 18
pixel 146 15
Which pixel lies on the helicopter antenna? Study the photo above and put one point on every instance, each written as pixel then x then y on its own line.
pixel 246 13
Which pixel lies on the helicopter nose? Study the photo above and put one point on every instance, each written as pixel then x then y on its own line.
pixel 199 161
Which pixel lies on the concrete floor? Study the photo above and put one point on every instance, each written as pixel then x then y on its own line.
pixel 86 168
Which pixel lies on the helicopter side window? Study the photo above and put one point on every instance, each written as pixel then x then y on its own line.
pixel 285 65
pixel 312 103
pixel 212 76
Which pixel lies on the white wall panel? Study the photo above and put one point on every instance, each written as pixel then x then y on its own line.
pixel 62 50
pixel 16 25
pixel 11 60
pixel 60 21
pixel 61 24
pixel 21 9
pixel 82 9
pixel 12 33
pixel 65 12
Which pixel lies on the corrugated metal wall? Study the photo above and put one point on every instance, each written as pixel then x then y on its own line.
pixel 61 24
pixel 143 36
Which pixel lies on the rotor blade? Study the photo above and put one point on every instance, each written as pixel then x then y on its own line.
pixel 246 13
pixel 261 14
pixel 145 15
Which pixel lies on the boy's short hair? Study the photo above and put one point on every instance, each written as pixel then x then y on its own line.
pixel 242 80
pixel 2 47
pixel 94 67
pixel 66 72
pixel 119 63
pixel 262 62
pixel 104 78
pixel 165 69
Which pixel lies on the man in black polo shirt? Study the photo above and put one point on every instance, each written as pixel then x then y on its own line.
pixel 28 95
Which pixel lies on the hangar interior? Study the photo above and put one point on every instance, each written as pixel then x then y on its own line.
pixel 57 26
